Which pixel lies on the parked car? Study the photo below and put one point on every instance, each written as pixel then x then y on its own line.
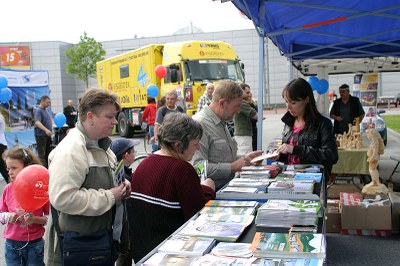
pixel 376 122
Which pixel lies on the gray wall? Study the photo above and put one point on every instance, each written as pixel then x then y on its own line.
pixel 51 56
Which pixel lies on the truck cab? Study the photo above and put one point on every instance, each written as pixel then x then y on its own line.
pixel 191 65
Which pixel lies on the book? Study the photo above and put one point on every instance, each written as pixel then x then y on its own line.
pixel 210 259
pixel 232 250
pixel 228 210
pixel 284 245
pixel 265 156
pixel 231 203
pixel 201 169
pixel 187 245
pixel 221 227
pixel 313 177
pixel 164 259
pixel 119 173
pixel 229 189
pixel 285 262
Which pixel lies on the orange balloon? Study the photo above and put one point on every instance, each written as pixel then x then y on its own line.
pixel 31 187
pixel 161 71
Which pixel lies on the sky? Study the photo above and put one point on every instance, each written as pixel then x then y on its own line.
pixel 105 20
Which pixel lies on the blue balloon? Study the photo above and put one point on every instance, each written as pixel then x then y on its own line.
pixel 5 95
pixel 323 86
pixel 3 82
pixel 152 90
pixel 314 82
pixel 59 120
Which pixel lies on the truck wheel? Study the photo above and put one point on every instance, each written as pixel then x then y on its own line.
pixel 125 129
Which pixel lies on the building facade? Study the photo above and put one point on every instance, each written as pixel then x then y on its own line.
pixel 278 72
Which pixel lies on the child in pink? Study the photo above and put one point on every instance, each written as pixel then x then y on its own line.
pixel 24 231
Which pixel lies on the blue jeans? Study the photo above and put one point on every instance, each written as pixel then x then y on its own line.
pixel 154 145
pixel 16 253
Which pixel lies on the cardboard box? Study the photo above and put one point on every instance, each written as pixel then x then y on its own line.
pixel 335 189
pixel 369 213
pixel 333 219
pixel 395 200
pixel 381 233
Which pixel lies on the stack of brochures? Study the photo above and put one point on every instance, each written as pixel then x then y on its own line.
pixel 222 227
pixel 285 213
pixel 261 184
pixel 285 245
pixel 286 187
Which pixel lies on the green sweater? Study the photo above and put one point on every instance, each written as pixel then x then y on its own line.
pixel 242 120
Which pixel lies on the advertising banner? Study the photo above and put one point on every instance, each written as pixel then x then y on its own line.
pixel 366 89
pixel 15 57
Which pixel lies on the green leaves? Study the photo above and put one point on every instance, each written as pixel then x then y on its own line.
pixel 83 58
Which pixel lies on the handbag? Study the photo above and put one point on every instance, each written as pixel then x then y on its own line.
pixel 76 248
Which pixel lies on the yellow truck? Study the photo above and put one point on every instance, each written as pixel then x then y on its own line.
pixel 190 66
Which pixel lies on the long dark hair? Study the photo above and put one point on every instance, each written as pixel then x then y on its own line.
pixel 299 89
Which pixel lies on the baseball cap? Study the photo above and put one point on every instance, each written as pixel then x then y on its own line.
pixel 121 145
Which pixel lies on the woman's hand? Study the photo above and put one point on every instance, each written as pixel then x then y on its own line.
pixel 285 149
pixel 209 183
pixel 120 192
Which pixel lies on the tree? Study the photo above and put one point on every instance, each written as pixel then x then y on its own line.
pixel 83 58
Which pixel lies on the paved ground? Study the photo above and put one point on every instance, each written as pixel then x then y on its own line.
pixel 272 127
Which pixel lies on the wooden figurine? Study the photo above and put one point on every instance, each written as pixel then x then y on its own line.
pixel 376 148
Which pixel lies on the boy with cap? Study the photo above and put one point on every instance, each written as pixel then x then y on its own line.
pixel 124 150
pixel 345 110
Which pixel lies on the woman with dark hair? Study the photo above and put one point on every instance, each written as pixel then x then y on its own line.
pixel 308 136
pixel 166 189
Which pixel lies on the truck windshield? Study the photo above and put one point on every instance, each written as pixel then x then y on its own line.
pixel 213 70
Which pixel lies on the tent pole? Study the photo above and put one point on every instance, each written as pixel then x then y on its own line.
pixel 260 102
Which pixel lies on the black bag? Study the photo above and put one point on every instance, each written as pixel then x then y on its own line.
pixel 97 248
pixel 88 249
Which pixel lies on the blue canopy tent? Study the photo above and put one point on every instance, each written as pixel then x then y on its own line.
pixel 308 31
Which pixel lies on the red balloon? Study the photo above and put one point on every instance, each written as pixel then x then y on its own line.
pixel 161 71
pixel 31 187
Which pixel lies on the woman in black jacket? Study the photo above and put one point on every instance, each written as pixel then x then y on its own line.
pixel 308 136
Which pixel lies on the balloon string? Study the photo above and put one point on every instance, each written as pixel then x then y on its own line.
pixel 27 228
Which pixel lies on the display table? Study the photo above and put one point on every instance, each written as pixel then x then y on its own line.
pixel 352 163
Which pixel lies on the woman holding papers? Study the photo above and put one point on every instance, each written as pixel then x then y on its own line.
pixel 166 189
pixel 81 186
pixel 308 136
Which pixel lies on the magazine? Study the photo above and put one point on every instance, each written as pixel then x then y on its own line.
pixel 231 203
pixel 201 169
pixel 187 245
pixel 228 210
pixel 164 259
pixel 232 250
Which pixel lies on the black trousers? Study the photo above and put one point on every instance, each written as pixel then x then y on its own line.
pixel 3 167
pixel 43 145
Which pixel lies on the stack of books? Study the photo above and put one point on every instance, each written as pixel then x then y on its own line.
pixel 285 245
pixel 237 189
pixel 287 187
pixel 260 184
pixel 284 213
